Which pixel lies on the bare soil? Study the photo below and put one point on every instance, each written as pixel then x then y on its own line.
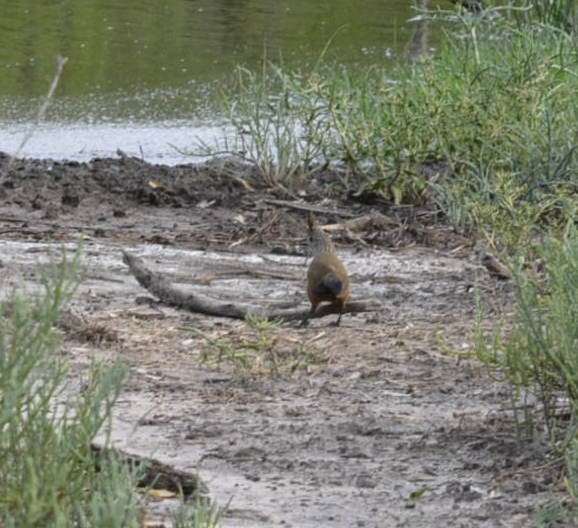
pixel 385 421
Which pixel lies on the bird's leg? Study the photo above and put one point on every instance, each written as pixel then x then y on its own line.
pixel 340 313
pixel 305 320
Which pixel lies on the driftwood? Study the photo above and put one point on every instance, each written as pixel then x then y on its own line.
pixel 155 474
pixel 301 206
pixel 376 220
pixel 357 224
pixel 170 295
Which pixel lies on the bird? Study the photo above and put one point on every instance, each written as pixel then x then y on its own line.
pixel 327 278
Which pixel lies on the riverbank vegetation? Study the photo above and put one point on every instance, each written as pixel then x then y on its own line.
pixel 485 131
pixel 485 127
pixel 51 475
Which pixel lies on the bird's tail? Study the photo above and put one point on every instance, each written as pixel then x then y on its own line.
pixel 329 286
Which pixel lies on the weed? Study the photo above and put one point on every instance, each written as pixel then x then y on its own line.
pixel 201 514
pixel 49 474
pixel 262 350
pixel 538 356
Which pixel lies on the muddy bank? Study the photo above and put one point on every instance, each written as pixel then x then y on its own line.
pixel 215 204
pixel 376 423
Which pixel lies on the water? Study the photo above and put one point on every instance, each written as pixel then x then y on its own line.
pixel 142 76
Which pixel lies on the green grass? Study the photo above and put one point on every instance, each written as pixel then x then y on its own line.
pixel 202 514
pixel 494 107
pixel 538 354
pixel 260 349
pixel 49 476
pixel 562 14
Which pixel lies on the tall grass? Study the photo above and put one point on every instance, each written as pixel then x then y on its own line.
pixel 538 356
pixel 495 106
pixel 275 124
pixel 562 14
pixel 49 476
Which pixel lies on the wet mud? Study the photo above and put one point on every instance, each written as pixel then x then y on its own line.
pixel 384 421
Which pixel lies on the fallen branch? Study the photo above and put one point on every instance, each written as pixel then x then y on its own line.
pixel 170 295
pixel 301 206
pixel 155 474
pixel 376 220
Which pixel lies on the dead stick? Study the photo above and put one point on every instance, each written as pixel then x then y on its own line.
pixel 308 208
pixel 60 63
pixel 156 474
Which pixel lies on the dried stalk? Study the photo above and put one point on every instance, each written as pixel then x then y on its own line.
pixel 60 63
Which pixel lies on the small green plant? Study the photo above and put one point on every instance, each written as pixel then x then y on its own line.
pixel 48 474
pixel 201 514
pixel 224 351
pixel 274 118
pixel 260 351
pixel 538 353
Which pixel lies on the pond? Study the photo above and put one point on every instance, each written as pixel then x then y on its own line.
pixel 143 76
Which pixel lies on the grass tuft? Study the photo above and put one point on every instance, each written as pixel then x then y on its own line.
pixel 260 350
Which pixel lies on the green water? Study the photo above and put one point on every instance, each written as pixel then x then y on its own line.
pixel 177 47
pixel 155 61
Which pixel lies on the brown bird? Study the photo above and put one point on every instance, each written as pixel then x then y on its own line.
pixel 327 279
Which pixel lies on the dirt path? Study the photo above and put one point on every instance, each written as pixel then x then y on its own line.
pixel 373 424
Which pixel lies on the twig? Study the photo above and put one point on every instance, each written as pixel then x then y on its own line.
pixel 60 63
pixel 208 279
pixel 308 208
pixel 361 222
